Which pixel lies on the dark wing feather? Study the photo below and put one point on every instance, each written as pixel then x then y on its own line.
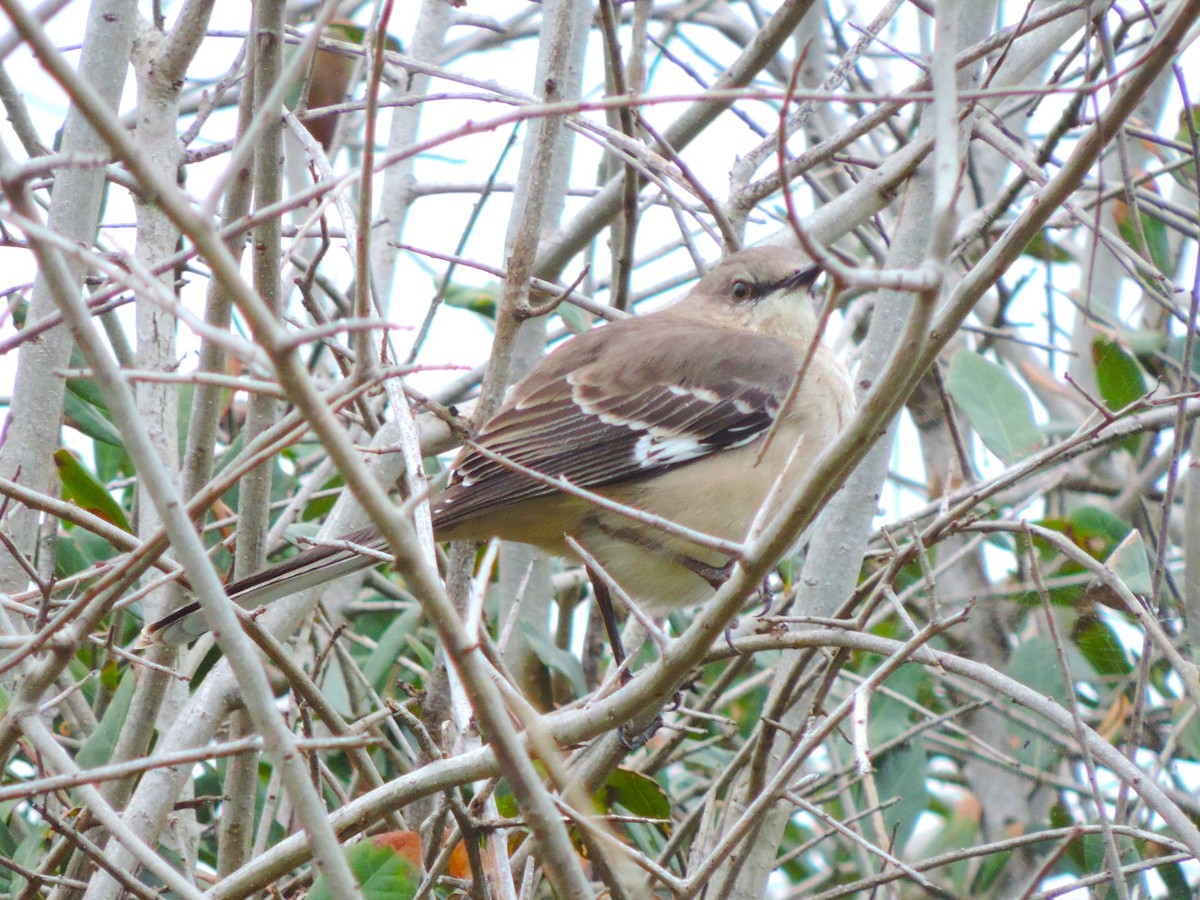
pixel 628 400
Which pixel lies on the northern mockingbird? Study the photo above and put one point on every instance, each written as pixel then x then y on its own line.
pixel 665 412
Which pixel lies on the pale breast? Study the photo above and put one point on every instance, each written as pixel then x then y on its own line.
pixel 720 495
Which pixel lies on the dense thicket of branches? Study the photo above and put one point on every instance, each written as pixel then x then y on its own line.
pixel 270 242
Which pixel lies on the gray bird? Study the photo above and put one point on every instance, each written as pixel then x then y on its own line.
pixel 665 412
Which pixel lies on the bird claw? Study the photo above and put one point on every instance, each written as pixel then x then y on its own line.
pixel 768 597
pixel 630 742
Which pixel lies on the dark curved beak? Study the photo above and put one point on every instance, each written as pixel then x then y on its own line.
pixel 803 277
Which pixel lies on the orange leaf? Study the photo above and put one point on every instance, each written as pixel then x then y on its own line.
pixel 460 865
pixel 406 843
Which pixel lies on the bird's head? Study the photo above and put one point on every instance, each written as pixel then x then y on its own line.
pixel 762 289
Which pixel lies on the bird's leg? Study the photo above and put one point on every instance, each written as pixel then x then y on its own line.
pixel 609 615
pixel 716 576
pixel 713 576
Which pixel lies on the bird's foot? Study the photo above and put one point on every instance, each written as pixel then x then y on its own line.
pixel 767 595
pixel 631 741
pixel 733 623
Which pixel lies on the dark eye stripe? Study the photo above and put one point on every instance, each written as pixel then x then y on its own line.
pixel 755 290
pixel 760 289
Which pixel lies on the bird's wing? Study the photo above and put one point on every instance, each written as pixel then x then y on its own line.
pixel 625 401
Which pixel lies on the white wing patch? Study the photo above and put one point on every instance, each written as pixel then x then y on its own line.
pixel 653 450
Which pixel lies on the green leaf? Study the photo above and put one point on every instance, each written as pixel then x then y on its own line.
pixel 318 508
pixel 960 828
pixel 555 657
pixel 482 301
pixel 577 320
pixel 1158 243
pixel 506 803
pixel 1121 382
pixel 420 652
pixel 1096 530
pixel 110 675
pixel 890 716
pixel 640 794
pixel 77 549
pixel 998 407
pixel 98 748
pixel 1041 247
pixel 990 870
pixel 8 842
pixel 81 488
pixel 1035 663
pixel 1172 876
pixel 88 418
pixel 386 867
pixel 391 644
pixel 111 463
pixel 1118 375
pixel 1187 737
pixel 1102 649
pixel 902 774
pixel 1130 563
pixel 1157 247
pixel 184 396
pixel 1186 175
pixel 30 854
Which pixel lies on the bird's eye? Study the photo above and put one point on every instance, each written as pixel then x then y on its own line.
pixel 741 290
